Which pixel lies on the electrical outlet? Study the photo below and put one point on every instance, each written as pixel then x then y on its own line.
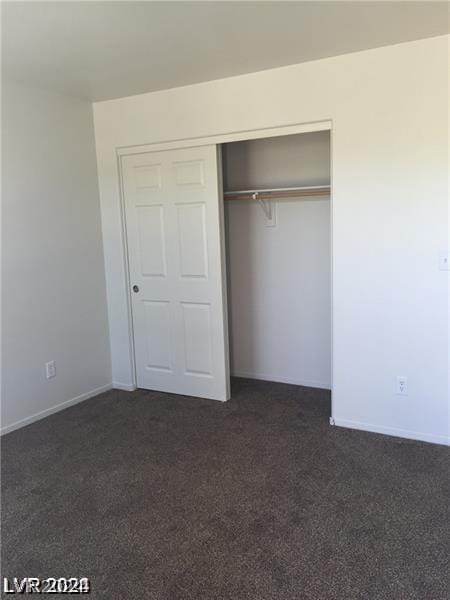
pixel 50 369
pixel 402 386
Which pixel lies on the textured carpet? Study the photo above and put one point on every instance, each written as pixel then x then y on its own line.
pixel 163 497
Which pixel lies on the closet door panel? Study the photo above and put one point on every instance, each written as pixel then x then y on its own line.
pixel 192 236
pixel 173 209
pixel 151 242
pixel 158 335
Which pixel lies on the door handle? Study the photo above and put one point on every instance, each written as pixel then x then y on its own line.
pixel 135 289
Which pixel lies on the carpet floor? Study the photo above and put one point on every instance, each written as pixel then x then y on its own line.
pixel 161 497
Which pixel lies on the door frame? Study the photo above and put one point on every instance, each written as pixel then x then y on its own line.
pixel 219 139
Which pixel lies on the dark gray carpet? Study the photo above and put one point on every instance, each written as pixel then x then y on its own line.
pixel 163 497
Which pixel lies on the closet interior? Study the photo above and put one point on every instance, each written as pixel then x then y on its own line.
pixel 278 247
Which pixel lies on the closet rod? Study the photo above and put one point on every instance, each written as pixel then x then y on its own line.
pixel 274 193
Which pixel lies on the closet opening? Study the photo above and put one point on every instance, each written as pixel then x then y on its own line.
pixel 278 258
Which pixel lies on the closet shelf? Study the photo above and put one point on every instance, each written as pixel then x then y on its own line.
pixel 278 193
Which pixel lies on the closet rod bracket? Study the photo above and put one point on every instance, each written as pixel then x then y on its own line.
pixel 267 207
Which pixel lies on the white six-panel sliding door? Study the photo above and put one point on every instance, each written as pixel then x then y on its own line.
pixel 173 211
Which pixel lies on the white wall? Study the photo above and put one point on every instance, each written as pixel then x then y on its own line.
pixel 54 299
pixel 389 108
pixel 279 297
pixel 286 161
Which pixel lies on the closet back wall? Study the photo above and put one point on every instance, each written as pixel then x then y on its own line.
pixel 279 294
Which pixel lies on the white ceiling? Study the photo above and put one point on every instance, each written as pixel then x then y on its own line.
pixel 102 50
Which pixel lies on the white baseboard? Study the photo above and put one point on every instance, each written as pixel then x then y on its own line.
pixel 54 409
pixel 402 433
pixel 126 387
pixel 277 379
